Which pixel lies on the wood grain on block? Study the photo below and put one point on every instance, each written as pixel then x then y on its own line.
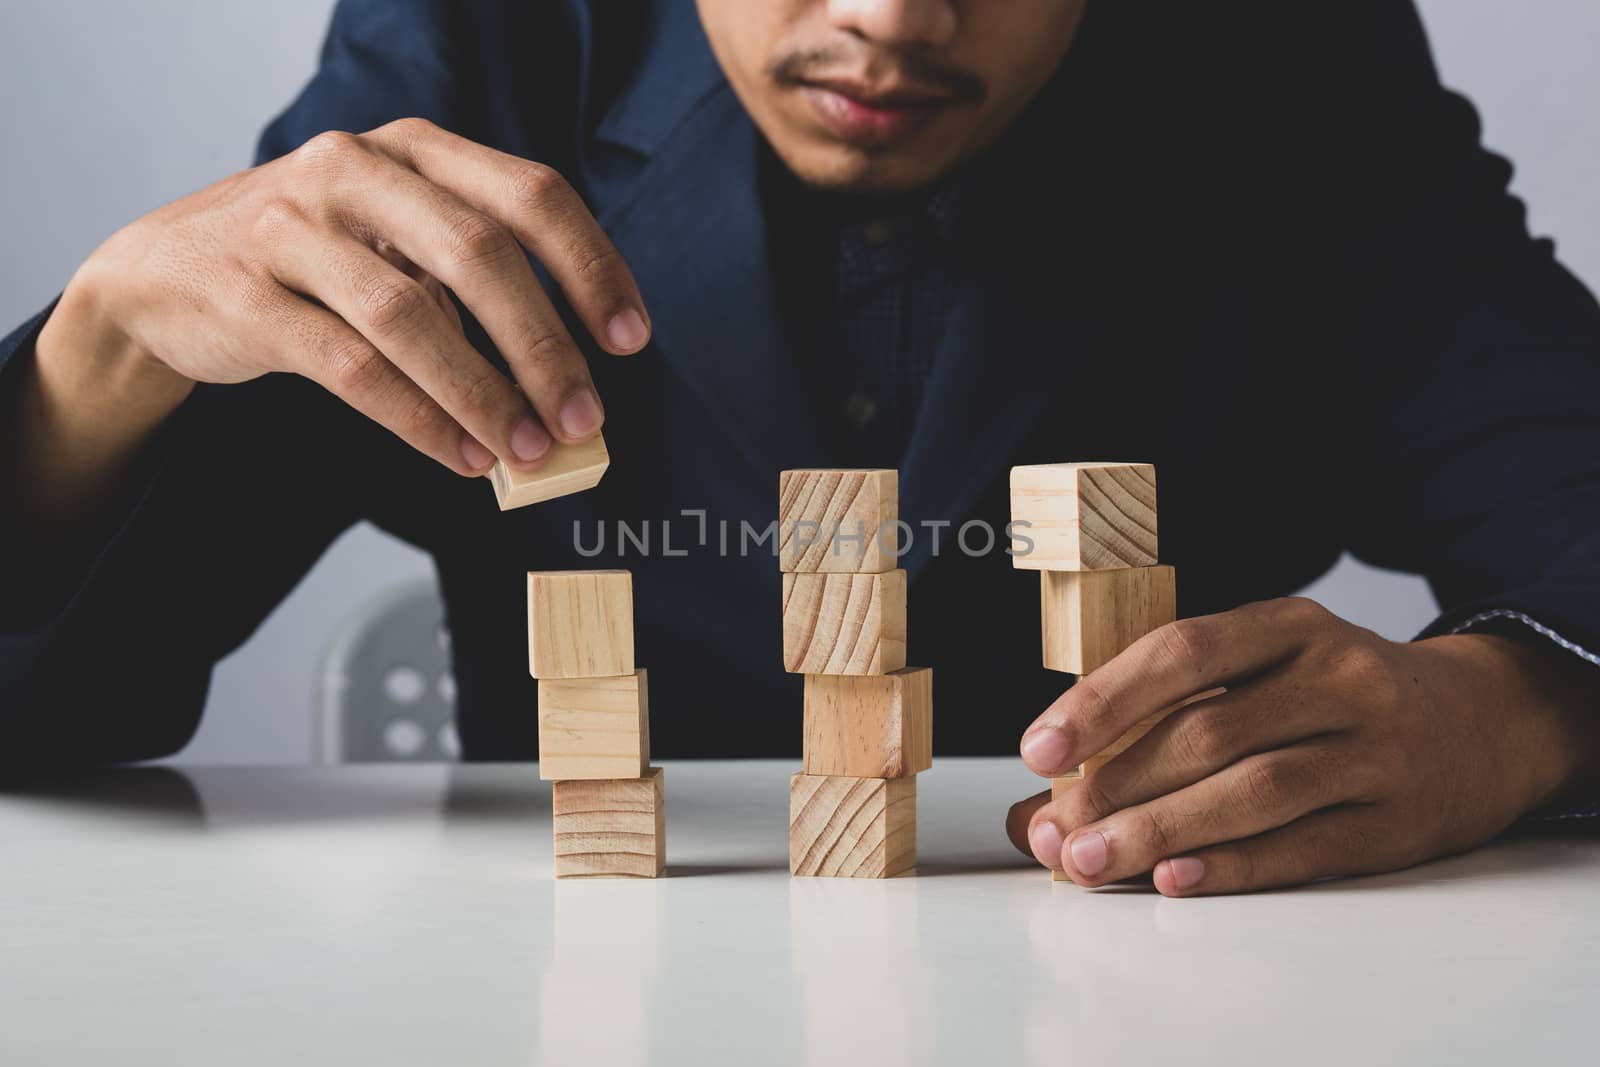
pixel 1089 617
pixel 612 828
pixel 580 624
pixel 594 727
pixel 838 520
pixel 1084 516
pixel 852 827
pixel 844 623
pixel 570 469
pixel 869 727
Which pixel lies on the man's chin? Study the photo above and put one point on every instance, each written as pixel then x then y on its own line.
pixel 847 169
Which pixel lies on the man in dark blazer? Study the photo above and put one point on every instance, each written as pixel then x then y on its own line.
pixel 1256 244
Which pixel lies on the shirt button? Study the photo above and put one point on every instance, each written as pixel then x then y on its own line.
pixel 878 231
pixel 860 409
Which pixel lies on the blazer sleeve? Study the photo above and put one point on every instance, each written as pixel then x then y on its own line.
pixel 231 504
pixel 1472 356
pixel 242 490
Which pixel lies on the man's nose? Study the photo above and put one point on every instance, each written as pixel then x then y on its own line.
pixel 897 22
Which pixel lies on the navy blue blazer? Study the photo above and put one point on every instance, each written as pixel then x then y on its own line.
pixel 1257 245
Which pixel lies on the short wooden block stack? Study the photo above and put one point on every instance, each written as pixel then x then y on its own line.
pixel 868 717
pixel 594 726
pixel 1093 528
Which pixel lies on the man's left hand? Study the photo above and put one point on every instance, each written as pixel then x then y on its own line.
pixel 1332 751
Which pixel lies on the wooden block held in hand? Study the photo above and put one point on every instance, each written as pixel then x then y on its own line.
pixel 570 469
pixel 1058 789
pixel 1084 516
pixel 1089 617
pixel 580 624
pixel 614 828
pixel 594 727
pixel 838 520
pixel 869 727
pixel 1140 728
pixel 1125 742
pixel 852 827
pixel 844 623
pixel 1061 783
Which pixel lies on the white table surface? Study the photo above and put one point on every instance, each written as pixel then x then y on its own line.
pixel 406 915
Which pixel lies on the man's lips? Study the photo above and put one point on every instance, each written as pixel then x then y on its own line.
pixel 871 119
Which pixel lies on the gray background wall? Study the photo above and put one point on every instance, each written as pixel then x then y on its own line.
pixel 113 108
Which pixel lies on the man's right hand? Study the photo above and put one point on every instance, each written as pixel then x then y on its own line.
pixel 333 263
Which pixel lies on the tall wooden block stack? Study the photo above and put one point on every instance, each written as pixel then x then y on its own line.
pixel 868 717
pixel 1093 527
pixel 594 726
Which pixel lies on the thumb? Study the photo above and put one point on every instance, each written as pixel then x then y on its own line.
pixel 1020 818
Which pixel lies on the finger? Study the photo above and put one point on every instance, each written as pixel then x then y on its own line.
pixel 1165 666
pixel 400 318
pixel 1327 844
pixel 441 296
pixel 1202 738
pixel 435 288
pixel 547 216
pixel 1020 819
pixel 317 344
pixel 1252 796
pixel 381 200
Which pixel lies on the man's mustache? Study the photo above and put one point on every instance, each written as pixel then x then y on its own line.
pixel 911 68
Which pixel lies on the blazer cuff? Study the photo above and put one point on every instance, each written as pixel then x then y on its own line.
pixel 22 338
pixel 1567 615
pixel 1515 622
pixel 31 613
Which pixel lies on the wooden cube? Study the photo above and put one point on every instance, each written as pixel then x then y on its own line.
pixel 852 827
pixel 580 624
pixel 612 828
pixel 1089 617
pixel 869 727
pixel 1084 516
pixel 838 520
pixel 570 469
pixel 594 727
pixel 844 623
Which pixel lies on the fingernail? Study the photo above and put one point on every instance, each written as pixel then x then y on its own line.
pixel 529 441
pixel 475 454
pixel 626 330
pixel 1045 750
pixel 1187 872
pixel 1045 840
pixel 581 415
pixel 1089 853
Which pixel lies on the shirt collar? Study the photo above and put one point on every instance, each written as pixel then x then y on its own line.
pixel 805 216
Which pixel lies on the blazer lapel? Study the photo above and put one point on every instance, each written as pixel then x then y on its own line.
pixel 1078 196
pixel 693 231
pixel 1078 208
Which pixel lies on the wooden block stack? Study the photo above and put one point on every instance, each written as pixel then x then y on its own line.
pixel 594 726
pixel 1093 526
pixel 868 717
